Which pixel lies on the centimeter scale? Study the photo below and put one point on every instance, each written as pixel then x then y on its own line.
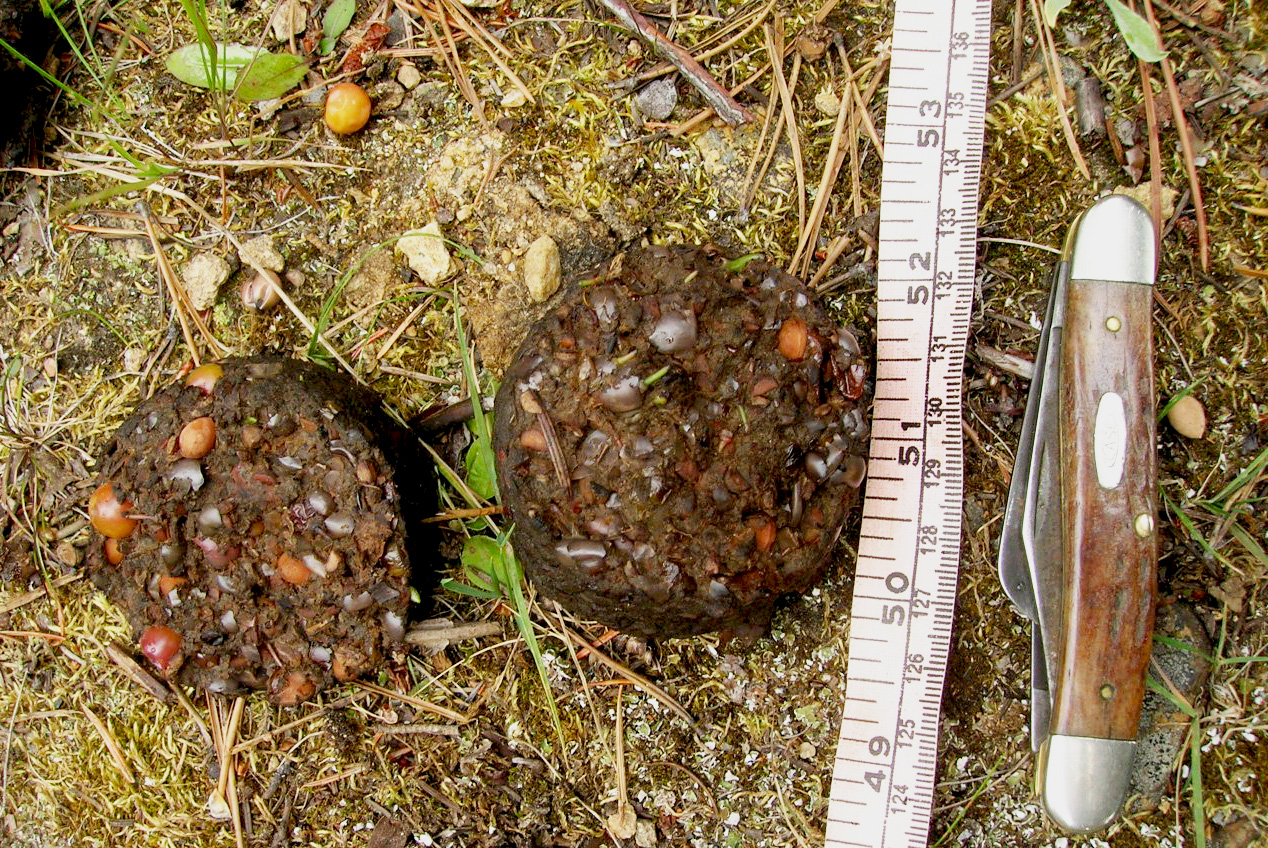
pixel 908 560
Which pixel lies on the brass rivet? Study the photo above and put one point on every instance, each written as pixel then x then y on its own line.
pixel 1144 525
pixel 1113 324
pixel 1107 692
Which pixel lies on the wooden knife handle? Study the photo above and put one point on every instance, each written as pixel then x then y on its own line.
pixel 1108 473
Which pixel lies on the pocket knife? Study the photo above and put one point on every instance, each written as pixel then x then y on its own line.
pixel 1078 553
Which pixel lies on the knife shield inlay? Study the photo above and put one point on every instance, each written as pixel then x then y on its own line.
pixel 1110 440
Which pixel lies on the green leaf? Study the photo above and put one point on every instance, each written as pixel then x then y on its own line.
pixel 738 263
pixel 481 473
pixel 482 556
pixel 338 16
pixel 270 75
pixel 1052 8
pixel 193 64
pixel 1137 32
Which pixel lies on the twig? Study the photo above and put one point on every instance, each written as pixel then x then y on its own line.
pixel 1155 151
pixel 774 48
pixel 443 712
pixel 1058 88
pixel 715 95
pixel 496 50
pixel 35 594
pixel 429 635
pixel 112 745
pixel 634 677
pixel 1186 145
pixel 133 671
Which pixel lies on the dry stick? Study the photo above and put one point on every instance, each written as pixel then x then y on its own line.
pixel 831 168
pixel 1155 151
pixel 1058 88
pixel 1186 145
pixel 635 678
pixel 757 18
pixel 112 745
pixel 496 50
pixel 774 49
pixel 715 95
pixel 404 325
pixel 166 275
pixel 750 187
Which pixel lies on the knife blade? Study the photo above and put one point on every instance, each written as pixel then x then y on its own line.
pixel 1081 514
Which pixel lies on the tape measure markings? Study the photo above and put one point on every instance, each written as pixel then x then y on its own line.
pixel 883 779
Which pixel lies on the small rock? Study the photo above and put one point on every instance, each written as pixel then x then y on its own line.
pixel 827 102
pixel 1141 194
pixel 408 76
pixel 203 276
pixel 657 99
pixel 387 96
pixel 810 49
pixel 260 252
pixel 623 822
pixel 514 99
pixel 807 751
pixel 369 285
pixel 290 17
pixel 645 833
pixel 1187 417
pixel 542 269
pixel 426 253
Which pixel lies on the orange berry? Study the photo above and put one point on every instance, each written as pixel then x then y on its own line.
pixel 204 377
pixel 160 645
pixel 347 108
pixel 108 515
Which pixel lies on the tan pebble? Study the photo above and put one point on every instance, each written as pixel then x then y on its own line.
pixel 542 268
pixel 513 99
pixel 408 76
pixel 1187 417
pixel 807 751
pixel 426 253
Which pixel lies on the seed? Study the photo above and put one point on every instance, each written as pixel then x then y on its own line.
pixel 197 438
pixel 532 439
pixel 793 339
pixel 167 584
pixel 114 554
pixel 204 377
pixel 529 404
pixel 367 473
pixel 347 108
pixel 108 515
pixel 293 688
pixel 161 645
pixel 764 533
pixel 675 332
pixel 292 570
pixel 261 291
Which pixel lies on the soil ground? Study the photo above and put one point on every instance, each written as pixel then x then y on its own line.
pixel 454 744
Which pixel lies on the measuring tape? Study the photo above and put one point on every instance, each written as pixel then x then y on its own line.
pixel 904 585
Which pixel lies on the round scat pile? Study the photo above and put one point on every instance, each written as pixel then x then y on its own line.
pixel 680 442
pixel 251 529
